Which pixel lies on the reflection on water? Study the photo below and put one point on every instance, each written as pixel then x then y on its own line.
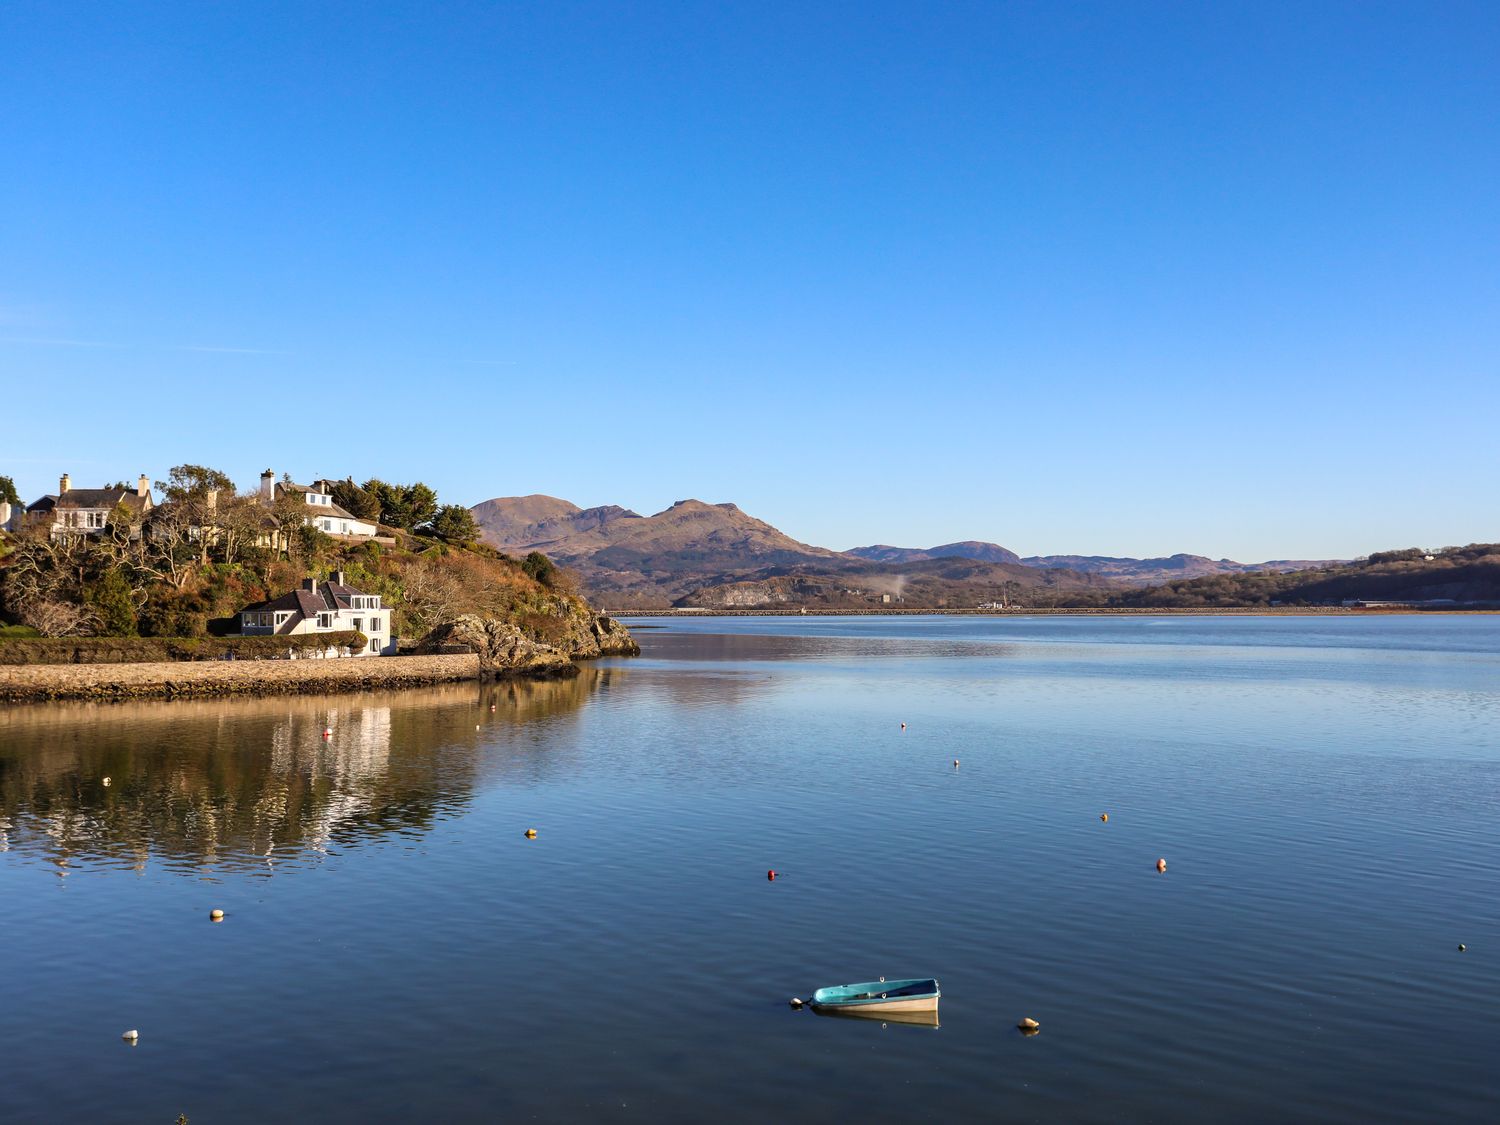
pixel 883 1019
pixel 251 783
pixel 1326 795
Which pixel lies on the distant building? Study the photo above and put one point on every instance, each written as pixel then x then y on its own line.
pixel 322 607
pixel 75 512
pixel 322 512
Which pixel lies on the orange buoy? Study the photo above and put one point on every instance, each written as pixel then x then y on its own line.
pixel 1161 865
pixel 531 833
pixel 1104 816
pixel 216 915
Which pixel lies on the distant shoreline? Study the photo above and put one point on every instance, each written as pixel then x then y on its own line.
pixel 1201 611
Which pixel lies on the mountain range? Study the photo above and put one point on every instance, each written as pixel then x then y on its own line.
pixel 695 553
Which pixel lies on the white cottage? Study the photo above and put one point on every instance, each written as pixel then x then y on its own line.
pixel 323 607
pixel 322 512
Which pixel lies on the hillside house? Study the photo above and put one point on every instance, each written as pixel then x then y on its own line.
pixel 322 607
pixel 322 512
pixel 75 512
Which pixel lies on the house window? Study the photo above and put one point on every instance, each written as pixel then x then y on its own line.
pixel 374 646
pixel 359 624
pixel 325 621
pixel 374 624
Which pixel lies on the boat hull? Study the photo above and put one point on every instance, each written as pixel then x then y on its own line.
pixel 919 994
pixel 905 1004
pixel 884 1019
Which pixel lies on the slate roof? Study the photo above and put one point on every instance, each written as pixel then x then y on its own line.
pixel 304 602
pixel 89 498
pixel 330 596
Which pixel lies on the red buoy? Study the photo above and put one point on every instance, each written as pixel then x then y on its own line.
pixel 771 876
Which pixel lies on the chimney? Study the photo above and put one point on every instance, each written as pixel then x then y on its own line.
pixel 64 483
pixel 338 577
pixel 142 486
pixel 310 585
pixel 266 489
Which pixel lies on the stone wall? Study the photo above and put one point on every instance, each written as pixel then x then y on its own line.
pixel 229 677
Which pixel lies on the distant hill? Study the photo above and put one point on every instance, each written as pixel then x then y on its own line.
pixel 716 554
pixel 1458 575
pixel 1171 568
pixel 545 523
pixel 971 549
pixel 630 559
pixel 916 584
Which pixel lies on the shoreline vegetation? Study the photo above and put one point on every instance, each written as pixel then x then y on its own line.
pixel 159 588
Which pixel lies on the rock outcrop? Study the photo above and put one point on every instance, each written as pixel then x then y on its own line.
pixel 505 649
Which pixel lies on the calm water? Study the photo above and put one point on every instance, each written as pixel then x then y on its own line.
pixel 1326 794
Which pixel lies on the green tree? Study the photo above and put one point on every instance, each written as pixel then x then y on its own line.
pixel 193 483
pixel 111 598
pixel 403 505
pixel 455 524
pixel 540 567
pixel 8 493
pixel 356 501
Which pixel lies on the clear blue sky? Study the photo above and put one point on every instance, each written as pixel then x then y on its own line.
pixel 1115 278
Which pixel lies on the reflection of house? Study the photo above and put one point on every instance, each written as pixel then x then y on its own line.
pixel 322 607
pixel 322 512
pixel 86 511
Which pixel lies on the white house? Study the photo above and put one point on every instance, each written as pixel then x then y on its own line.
pixel 322 512
pixel 75 512
pixel 323 607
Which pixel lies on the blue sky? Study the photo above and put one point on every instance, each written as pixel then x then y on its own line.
pixel 1116 278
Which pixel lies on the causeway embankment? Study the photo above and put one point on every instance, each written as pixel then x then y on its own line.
pixel 205 679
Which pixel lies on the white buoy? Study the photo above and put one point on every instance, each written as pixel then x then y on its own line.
pixel 106 781
pixel 216 915
pixel 131 1036
pixel 795 1001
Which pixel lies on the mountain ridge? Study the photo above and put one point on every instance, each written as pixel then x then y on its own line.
pixel 695 547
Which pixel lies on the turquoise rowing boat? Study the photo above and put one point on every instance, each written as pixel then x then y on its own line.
pixel 919 994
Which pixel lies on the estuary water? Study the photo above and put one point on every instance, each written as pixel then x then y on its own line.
pixel 1326 793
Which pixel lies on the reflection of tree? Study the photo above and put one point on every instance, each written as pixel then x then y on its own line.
pixel 248 782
